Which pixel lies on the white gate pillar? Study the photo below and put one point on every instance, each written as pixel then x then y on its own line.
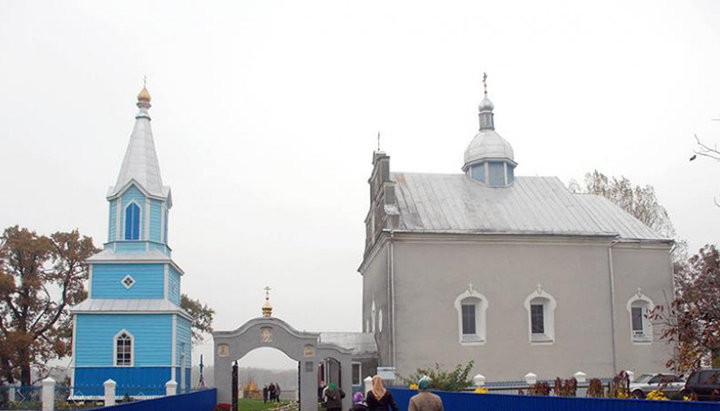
pixel 171 387
pixel 109 392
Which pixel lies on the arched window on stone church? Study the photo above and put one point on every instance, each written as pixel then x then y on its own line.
pixel 540 308
pixel 640 326
pixel 471 307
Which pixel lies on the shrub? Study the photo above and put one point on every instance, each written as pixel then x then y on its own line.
pixel 566 388
pixel 620 386
pixel 656 395
pixel 539 388
pixel 595 388
pixel 454 380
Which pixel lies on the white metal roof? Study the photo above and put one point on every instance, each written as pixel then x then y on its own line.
pixel 98 305
pixel 357 342
pixel 140 162
pixel 488 144
pixel 531 205
pixel 108 256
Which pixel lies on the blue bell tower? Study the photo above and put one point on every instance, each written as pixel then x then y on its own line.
pixel 131 328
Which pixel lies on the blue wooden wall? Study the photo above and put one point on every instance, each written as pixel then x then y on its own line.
pixel 183 337
pixel 112 221
pixel 152 335
pixel 156 214
pixel 107 281
pixel 174 286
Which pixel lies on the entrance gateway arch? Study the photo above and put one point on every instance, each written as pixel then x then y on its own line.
pixel 301 346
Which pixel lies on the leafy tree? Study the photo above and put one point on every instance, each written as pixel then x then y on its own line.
pixel 639 201
pixel 454 380
pixel 40 278
pixel 202 317
pixel 693 318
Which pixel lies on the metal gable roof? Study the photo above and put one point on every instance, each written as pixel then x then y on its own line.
pixel 357 342
pixel 531 205
pixel 129 306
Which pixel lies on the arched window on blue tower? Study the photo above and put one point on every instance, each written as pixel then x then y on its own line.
pixel 132 222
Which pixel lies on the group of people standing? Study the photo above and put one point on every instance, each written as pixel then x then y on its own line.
pixel 380 399
pixel 271 392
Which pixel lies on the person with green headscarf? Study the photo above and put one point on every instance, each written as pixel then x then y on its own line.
pixel 333 398
pixel 424 400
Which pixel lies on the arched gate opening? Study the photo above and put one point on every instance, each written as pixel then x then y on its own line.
pixel 303 347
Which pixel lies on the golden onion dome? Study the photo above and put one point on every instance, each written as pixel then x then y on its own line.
pixel 267 309
pixel 144 95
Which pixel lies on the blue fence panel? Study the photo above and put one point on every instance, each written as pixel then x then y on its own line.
pixel 456 401
pixel 203 400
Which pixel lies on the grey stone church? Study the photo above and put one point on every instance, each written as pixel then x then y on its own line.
pixel 516 273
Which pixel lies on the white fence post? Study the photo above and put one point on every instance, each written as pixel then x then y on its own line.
pixel 48 394
pixel 171 387
pixel 368 384
pixel 109 392
pixel 478 380
pixel 530 378
pixel 580 377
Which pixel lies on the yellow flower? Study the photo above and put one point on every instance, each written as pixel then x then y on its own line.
pixel 481 390
pixel 656 395
pixel 413 386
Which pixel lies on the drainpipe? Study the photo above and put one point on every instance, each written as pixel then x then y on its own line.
pixel 676 354
pixel 392 295
pixel 612 304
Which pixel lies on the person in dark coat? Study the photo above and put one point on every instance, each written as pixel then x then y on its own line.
pixel 333 398
pixel 378 398
pixel 358 402
pixel 265 393
pixel 271 392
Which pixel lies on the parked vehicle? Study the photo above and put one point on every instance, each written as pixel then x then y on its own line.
pixel 645 383
pixel 705 384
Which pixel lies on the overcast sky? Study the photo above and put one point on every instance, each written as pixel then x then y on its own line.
pixel 265 115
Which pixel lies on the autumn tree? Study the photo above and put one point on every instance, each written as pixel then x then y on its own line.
pixel 202 317
pixel 693 318
pixel 40 278
pixel 639 201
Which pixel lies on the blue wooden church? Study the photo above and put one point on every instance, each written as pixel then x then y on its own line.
pixel 131 328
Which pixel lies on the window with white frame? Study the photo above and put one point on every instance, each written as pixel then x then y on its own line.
pixel 540 307
pixel 123 349
pixel 132 222
pixel 640 326
pixel 471 307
